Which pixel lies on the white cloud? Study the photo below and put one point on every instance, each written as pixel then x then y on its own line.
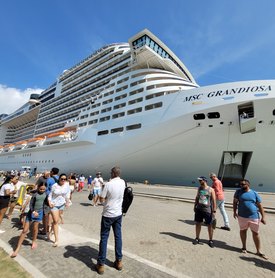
pixel 13 98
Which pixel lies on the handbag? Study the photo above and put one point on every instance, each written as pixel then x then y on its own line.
pixel 90 196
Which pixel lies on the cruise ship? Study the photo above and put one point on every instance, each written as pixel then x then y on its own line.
pixel 136 105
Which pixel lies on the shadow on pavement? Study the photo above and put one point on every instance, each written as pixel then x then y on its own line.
pixel 84 254
pixel 189 222
pixel 86 204
pixel 260 263
pixel 218 243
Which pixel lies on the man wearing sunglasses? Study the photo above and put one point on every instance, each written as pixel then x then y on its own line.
pixel 248 204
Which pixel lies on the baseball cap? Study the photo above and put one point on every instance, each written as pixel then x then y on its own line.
pixel 202 178
pixel 212 175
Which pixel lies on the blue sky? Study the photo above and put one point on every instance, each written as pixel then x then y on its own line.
pixel 219 41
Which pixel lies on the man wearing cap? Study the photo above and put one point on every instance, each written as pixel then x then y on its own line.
pixel 205 209
pixel 97 185
pixel 217 186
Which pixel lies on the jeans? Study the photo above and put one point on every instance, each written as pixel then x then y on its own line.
pixel 220 205
pixel 106 224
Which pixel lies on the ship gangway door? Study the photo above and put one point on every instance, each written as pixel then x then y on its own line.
pixel 248 124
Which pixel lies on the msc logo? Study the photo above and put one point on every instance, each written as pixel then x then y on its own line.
pixel 192 98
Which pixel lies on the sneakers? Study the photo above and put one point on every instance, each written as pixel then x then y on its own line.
pixel 196 241
pixel 211 243
pixel 225 228
pixel 118 265
pixel 2 231
pixel 99 268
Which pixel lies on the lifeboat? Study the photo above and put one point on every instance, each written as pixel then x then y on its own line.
pixel 33 142
pixel 8 148
pixel 20 145
pixel 54 138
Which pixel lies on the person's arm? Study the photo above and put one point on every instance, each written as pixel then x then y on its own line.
pixel 50 197
pixel 25 204
pixel 103 195
pixel 196 200
pixel 235 206
pixel 261 210
pixel 214 205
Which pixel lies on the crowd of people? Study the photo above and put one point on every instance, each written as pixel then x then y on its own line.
pixel 247 209
pixel 45 201
pixel 52 193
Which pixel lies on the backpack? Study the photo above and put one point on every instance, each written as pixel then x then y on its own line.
pixel 127 198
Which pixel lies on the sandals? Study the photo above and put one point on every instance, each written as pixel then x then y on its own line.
pixel 262 256
pixel 244 251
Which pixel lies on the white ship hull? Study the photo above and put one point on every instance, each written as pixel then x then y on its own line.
pixel 173 148
pixel 136 105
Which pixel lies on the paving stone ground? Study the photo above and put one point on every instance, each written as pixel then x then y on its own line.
pixel 157 241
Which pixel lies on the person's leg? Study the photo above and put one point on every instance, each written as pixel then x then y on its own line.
pixel 118 237
pixel 198 229
pixel 34 234
pixel 210 232
pixel 55 219
pixel 95 199
pixel 21 239
pixel 257 242
pixel 220 205
pixel 104 235
pixel 2 213
pixel 11 208
pixel 243 235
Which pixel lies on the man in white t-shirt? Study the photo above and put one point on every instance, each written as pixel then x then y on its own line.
pixel 112 198
pixel 97 185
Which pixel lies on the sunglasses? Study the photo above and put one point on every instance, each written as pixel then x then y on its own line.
pixel 242 183
pixel 63 179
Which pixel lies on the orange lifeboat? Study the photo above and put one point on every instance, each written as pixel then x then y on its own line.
pixel 56 134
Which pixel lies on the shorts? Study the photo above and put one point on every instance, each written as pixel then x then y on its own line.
pixel 97 191
pixel 4 202
pixel 245 223
pixel 47 209
pixel 203 215
pixel 62 207
pixel 31 218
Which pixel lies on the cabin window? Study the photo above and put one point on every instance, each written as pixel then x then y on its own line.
pixel 106 109
pixel 119 105
pixel 107 101
pixel 135 100
pixel 153 106
pixel 104 119
pixel 213 115
pixel 199 116
pixel 118 115
pixel 93 122
pixel 118 129
pixel 136 92
pixel 121 97
pixel 102 132
pixel 133 111
pixel 273 112
pixel 131 127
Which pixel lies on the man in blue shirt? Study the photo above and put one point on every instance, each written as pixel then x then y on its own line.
pixel 50 182
pixel 248 204
pixel 52 179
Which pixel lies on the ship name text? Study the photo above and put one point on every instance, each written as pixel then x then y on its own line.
pixel 228 92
